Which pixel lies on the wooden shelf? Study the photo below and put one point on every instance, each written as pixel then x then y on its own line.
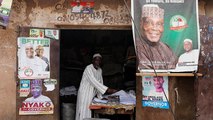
pixel 96 27
pixel 170 74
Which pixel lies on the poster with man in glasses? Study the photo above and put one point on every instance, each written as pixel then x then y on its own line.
pixel 160 28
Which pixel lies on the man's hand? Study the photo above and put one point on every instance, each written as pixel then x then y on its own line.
pixel 110 90
pixel 104 98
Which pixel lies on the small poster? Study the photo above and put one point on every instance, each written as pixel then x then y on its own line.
pixel 37 33
pixel 5 7
pixel 24 88
pixel 33 58
pixel 155 92
pixel 82 7
pixel 51 33
pixel 38 103
pixel 50 84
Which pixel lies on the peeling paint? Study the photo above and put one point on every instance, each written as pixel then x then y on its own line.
pixel 105 15
pixel 32 14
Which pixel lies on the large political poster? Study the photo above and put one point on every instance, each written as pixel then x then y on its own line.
pixel 33 58
pixel 5 8
pixel 155 92
pixel 166 35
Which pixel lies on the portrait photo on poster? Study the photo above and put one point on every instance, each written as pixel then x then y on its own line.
pixel 159 34
pixel 85 7
pixel 33 58
pixel 155 92
pixel 37 103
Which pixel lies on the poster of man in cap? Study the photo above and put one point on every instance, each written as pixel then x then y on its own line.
pixel 155 92
pixel 160 28
pixel 38 103
pixel 31 52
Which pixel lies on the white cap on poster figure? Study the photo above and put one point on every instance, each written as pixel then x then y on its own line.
pixel 152 10
pixel 188 40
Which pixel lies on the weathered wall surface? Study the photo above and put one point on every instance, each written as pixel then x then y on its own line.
pixel 40 13
pixel 45 14
pixel 149 113
pixel 8 74
pixel 204 84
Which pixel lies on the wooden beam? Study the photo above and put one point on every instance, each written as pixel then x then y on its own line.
pixel 95 27
pixel 170 74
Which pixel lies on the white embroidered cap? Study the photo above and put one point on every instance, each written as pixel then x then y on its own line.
pixel 97 55
pixel 152 10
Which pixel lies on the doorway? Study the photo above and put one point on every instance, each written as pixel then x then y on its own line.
pixel 76 50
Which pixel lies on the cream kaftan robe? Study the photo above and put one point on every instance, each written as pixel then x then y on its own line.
pixel 91 85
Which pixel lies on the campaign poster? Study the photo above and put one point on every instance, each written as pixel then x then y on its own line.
pixel 52 33
pixel 33 58
pixel 50 84
pixel 24 88
pixel 82 7
pixel 5 8
pixel 155 92
pixel 37 33
pixel 37 103
pixel 166 35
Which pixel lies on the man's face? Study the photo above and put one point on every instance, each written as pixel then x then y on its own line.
pixel 97 62
pixel 187 46
pixel 39 51
pixel 152 28
pixel 88 5
pixel 36 90
pixel 78 4
pixel 29 51
pixel 158 82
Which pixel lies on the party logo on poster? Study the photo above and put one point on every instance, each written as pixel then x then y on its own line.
pixel 178 23
pixel 24 88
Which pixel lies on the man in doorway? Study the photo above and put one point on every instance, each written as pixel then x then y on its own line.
pixel 152 53
pixel 90 86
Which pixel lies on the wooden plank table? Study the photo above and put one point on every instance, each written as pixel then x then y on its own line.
pixel 113 110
